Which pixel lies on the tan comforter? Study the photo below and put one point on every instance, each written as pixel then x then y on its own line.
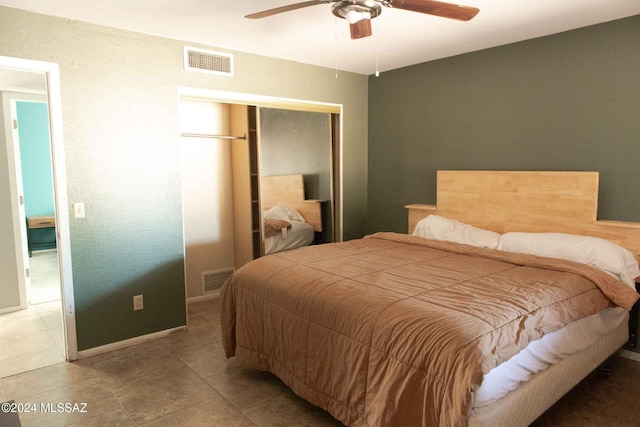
pixel 394 330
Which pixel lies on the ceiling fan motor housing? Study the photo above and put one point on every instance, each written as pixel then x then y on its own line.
pixel 342 8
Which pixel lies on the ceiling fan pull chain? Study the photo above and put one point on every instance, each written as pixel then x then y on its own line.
pixel 335 47
pixel 377 48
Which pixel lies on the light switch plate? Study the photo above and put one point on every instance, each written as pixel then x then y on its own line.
pixel 78 210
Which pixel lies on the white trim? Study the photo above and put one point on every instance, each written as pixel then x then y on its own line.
pixel 52 73
pixel 62 210
pixel 83 354
pixel 259 100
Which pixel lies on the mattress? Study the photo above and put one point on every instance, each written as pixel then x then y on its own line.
pixel 300 234
pixel 549 350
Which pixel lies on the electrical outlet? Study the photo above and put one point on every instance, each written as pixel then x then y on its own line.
pixel 137 303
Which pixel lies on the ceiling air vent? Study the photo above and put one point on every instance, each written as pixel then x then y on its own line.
pixel 213 280
pixel 207 61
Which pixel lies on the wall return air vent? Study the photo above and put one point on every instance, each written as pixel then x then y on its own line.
pixel 213 280
pixel 207 61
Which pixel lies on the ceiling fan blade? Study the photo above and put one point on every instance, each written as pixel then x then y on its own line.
pixel 360 29
pixel 432 7
pixel 287 8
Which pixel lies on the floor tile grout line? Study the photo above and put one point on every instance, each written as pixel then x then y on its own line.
pixel 144 378
pixel 31 312
pixel 21 335
pixel 66 384
pixel 156 377
pixel 102 379
pixel 55 388
pixel 214 388
pixel 40 366
pixel 60 350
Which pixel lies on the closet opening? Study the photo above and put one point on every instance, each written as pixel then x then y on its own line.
pixel 259 176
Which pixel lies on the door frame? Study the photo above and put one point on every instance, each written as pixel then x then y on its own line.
pixel 52 75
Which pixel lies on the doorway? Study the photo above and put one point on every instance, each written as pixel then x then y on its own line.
pixel 37 326
pixel 33 147
pixel 238 137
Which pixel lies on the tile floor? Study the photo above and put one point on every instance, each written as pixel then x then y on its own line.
pixel 45 276
pixel 181 380
pixel 31 338
pixel 185 380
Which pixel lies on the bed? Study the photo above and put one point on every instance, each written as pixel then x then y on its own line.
pixel 285 229
pixel 289 220
pixel 397 329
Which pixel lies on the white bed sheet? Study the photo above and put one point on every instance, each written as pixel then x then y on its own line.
pixel 542 353
pixel 532 398
pixel 301 234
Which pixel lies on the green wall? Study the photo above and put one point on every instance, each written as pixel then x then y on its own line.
pixel 569 101
pixel 297 142
pixel 121 132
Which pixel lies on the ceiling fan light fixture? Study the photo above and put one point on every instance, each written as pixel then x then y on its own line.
pixel 354 16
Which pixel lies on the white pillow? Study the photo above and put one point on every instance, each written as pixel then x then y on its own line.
pixel 440 228
pixel 593 251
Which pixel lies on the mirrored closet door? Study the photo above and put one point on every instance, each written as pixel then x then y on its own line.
pixel 296 178
pixel 285 172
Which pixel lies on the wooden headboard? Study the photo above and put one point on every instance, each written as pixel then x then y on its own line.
pixel 288 190
pixel 501 201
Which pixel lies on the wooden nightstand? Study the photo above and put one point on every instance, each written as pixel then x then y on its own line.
pixel 36 222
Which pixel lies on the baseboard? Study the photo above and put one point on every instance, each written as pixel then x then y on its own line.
pixel 83 354
pixel 208 296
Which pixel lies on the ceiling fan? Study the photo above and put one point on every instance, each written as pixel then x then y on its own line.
pixel 359 13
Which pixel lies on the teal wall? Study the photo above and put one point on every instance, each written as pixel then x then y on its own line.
pixel 35 157
pixel 569 101
pixel 35 162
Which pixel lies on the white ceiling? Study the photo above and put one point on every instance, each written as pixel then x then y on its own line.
pixel 312 35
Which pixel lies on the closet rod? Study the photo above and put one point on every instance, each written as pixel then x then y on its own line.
pixel 206 135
